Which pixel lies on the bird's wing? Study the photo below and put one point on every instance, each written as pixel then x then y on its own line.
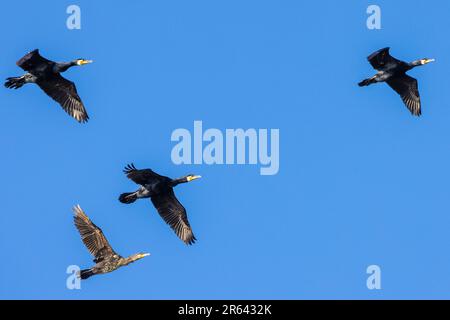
pixel 31 59
pixel 381 58
pixel 408 89
pixel 174 214
pixel 65 93
pixel 142 177
pixel 92 236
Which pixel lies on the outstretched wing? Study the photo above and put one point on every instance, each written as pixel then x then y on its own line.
pixel 31 60
pixel 142 177
pixel 65 93
pixel 408 89
pixel 92 236
pixel 174 214
pixel 381 58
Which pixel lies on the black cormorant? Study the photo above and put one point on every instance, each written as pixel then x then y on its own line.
pixel 47 75
pixel 393 72
pixel 106 260
pixel 160 190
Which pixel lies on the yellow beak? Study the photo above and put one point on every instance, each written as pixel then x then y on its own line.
pixel 82 62
pixel 191 178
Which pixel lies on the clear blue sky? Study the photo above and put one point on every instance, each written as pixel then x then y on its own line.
pixel 361 181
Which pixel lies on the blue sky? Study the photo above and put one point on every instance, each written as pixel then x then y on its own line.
pixel 361 181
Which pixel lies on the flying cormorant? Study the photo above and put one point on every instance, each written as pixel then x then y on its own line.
pixel 393 72
pixel 106 260
pixel 47 75
pixel 160 190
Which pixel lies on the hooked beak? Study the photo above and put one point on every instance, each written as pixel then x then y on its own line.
pixel 144 255
pixel 191 178
pixel 429 60
pixel 83 62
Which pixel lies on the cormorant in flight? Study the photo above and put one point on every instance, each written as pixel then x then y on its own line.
pixel 106 260
pixel 160 190
pixel 47 75
pixel 393 72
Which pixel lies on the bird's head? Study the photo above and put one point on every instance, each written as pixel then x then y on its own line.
pixel 185 179
pixel 138 256
pixel 426 61
pixel 192 177
pixel 82 62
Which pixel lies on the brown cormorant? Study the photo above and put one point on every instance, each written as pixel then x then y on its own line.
pixel 160 191
pixel 47 75
pixel 393 72
pixel 106 260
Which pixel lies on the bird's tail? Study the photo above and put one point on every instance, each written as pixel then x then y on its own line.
pixel 366 82
pixel 128 197
pixel 15 82
pixel 86 273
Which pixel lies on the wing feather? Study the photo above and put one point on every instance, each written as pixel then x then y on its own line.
pixel 408 89
pixel 92 236
pixel 65 93
pixel 31 60
pixel 142 177
pixel 174 214
pixel 382 58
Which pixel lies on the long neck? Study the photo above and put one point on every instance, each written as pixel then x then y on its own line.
pixel 64 66
pixel 415 63
pixel 176 182
pixel 127 261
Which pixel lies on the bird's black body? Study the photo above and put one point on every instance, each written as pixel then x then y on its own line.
pixel 105 258
pixel 393 72
pixel 160 191
pixel 47 75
